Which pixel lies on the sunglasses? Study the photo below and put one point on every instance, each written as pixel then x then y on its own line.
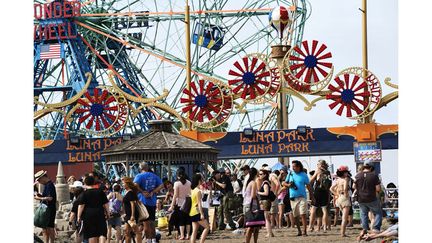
pixel 261 174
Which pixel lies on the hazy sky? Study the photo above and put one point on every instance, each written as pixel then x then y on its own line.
pixel 338 24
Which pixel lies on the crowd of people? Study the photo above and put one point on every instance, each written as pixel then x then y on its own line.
pixel 283 197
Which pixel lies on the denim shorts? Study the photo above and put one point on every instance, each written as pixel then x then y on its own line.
pixel 115 221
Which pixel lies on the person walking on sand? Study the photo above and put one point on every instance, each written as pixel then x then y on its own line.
pixel 368 185
pixel 93 210
pixel 250 203
pixel 197 213
pixel 49 198
pixel 148 185
pixel 297 181
pixel 264 198
pixel 115 206
pixel 341 191
pixel 274 187
pixel 181 219
pixel 130 201
pixel 77 189
pixel 321 183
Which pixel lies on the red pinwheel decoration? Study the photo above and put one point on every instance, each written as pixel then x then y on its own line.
pixel 306 62
pixel 227 107
pixel 204 102
pixel 100 111
pixel 350 94
pixel 275 82
pixel 252 80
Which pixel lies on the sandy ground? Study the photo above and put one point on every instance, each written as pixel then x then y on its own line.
pixel 281 235
pixel 284 235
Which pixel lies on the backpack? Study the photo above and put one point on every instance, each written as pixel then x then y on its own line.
pixel 115 207
pixel 325 181
pixel 271 195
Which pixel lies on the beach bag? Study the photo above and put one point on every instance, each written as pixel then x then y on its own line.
pixel 142 211
pixel 254 218
pixel 186 207
pixel 41 216
pixel 325 182
pixel 115 207
pixel 162 222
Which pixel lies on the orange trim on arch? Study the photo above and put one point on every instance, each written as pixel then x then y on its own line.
pixel 203 137
pixel 368 132
pixel 41 144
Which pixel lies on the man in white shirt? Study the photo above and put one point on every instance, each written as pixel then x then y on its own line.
pixel 246 170
pixel 236 184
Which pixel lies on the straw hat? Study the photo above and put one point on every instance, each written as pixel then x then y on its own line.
pixel 39 174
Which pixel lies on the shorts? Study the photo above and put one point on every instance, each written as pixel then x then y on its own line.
pixel 274 207
pixel 114 222
pixel 287 203
pixel 280 201
pixel 343 201
pixel 179 218
pixel 52 214
pixel 299 206
pixel 152 213
pixel 195 218
pixel 321 199
pixel 265 205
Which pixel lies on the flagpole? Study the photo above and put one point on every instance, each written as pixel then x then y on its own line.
pixel 188 57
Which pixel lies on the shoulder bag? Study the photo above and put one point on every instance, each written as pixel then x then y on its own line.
pixel 41 216
pixel 142 211
pixel 186 207
pixel 254 218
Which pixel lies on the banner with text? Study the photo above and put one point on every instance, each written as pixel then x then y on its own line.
pixel 279 143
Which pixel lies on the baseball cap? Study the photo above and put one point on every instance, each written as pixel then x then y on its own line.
pixel 266 168
pixel 77 184
pixel 343 168
pixel 367 163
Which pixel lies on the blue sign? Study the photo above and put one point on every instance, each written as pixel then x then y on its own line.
pixel 281 143
pixel 370 152
pixel 234 145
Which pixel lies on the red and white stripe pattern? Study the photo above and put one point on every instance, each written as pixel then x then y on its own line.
pixel 52 51
pixel 279 19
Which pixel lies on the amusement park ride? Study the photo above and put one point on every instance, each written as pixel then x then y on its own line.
pixel 105 68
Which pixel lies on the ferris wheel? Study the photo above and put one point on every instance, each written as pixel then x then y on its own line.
pixel 104 68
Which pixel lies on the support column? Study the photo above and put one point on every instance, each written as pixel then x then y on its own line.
pixel 278 53
pixel 367 119
pixel 188 56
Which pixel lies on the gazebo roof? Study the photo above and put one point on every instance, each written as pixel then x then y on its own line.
pixel 160 144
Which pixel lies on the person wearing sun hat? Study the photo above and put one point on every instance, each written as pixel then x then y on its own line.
pixel 48 197
pixel 340 190
pixel 320 182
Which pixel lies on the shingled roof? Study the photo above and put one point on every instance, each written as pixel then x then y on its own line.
pixel 162 145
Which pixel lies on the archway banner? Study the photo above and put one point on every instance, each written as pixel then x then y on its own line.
pixel 292 143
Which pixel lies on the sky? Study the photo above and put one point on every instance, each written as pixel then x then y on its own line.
pixel 338 24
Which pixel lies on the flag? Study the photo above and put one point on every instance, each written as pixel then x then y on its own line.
pixel 51 51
